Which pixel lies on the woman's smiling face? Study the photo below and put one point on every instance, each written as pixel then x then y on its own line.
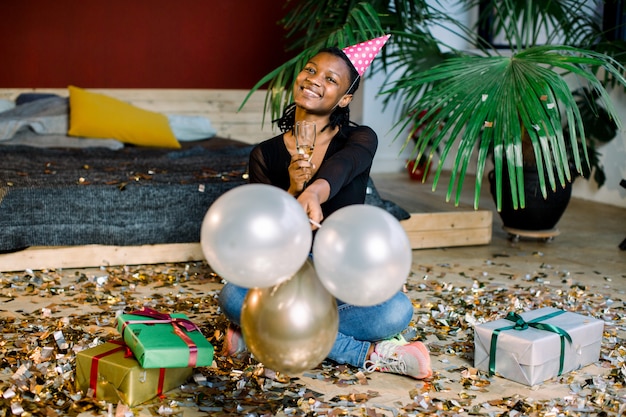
pixel 322 84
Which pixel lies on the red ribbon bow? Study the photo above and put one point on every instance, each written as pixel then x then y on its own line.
pixel 177 323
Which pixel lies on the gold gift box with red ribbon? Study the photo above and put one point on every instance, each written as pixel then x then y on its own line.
pixel 160 340
pixel 109 372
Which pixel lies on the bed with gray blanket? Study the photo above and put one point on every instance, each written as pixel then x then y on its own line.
pixel 57 190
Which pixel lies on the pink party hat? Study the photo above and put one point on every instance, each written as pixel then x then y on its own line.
pixel 362 54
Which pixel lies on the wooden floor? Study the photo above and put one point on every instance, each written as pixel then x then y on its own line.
pixel 417 197
pixel 589 232
pixel 581 270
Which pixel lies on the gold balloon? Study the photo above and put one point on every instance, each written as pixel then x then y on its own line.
pixel 292 326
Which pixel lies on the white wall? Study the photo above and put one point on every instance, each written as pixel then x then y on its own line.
pixel 389 157
pixel 613 158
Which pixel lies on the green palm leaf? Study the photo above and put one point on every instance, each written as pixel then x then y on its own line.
pixel 523 24
pixel 486 104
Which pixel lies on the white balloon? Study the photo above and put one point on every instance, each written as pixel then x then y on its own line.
pixel 362 255
pixel 256 235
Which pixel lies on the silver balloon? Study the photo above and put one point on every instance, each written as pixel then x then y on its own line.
pixel 255 235
pixel 362 255
pixel 292 326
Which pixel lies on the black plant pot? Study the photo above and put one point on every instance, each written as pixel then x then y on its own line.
pixel 539 214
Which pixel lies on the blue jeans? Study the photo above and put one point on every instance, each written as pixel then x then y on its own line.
pixel 358 326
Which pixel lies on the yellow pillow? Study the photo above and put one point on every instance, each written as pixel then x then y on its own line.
pixel 99 116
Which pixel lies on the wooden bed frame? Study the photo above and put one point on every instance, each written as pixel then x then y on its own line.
pixel 221 107
pixel 425 230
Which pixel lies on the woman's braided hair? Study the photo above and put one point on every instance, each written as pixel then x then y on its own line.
pixel 340 115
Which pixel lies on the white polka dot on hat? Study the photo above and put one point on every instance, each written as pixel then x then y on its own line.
pixel 361 55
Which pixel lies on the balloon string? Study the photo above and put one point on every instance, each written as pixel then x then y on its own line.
pixel 314 223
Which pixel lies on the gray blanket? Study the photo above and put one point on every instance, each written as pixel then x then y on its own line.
pixel 132 196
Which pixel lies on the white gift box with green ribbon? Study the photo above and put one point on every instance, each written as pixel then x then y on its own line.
pixel 537 345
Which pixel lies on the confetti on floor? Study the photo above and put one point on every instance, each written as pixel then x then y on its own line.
pixel 48 316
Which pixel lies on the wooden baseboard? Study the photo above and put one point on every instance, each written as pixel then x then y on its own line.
pixel 425 230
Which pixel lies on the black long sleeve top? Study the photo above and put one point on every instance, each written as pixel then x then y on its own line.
pixel 346 165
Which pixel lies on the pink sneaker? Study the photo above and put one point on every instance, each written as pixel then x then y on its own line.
pixel 233 343
pixel 410 359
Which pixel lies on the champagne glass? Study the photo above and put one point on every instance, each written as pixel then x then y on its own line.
pixel 305 138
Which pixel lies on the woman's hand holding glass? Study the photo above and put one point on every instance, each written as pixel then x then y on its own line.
pixel 300 172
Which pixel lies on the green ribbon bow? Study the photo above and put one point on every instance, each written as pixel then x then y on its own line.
pixel 521 324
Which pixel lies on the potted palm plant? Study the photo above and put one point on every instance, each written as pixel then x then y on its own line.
pixel 516 109
pixel 509 105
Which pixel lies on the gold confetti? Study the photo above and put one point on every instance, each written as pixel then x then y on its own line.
pixel 73 310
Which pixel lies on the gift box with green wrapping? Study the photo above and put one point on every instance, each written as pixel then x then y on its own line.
pixel 161 340
pixel 109 372
pixel 537 345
